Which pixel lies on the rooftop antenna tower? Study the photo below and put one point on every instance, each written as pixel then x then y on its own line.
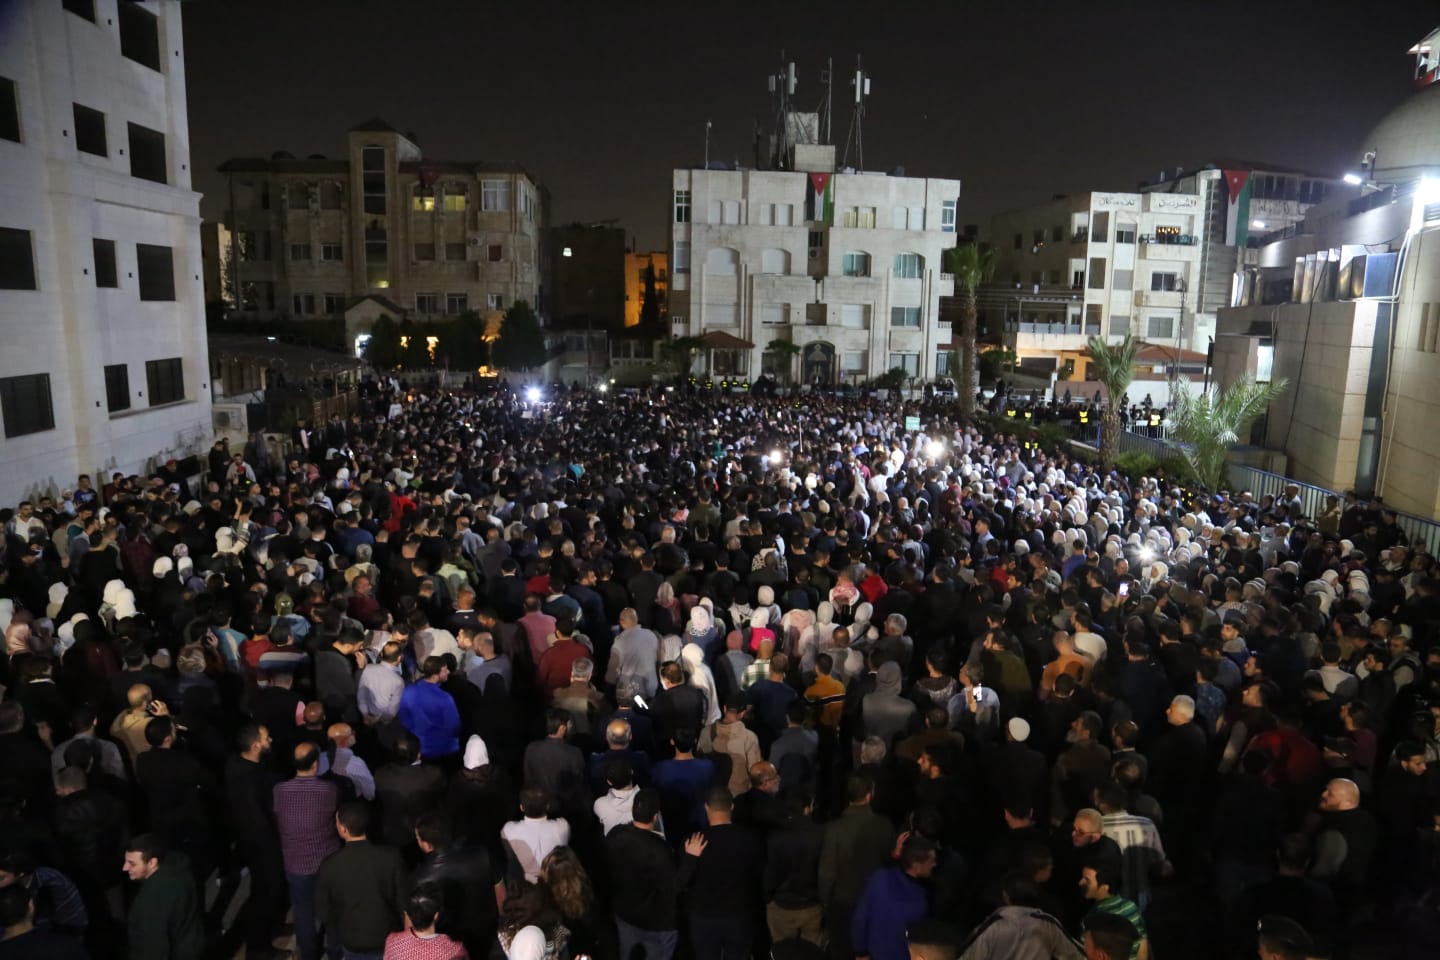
pixel 782 88
pixel 861 85
pixel 827 77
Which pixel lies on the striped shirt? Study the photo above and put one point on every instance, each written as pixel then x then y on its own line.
pixel 1127 909
pixel 1141 851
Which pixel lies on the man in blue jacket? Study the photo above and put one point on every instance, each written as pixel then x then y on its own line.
pixel 430 713
pixel 893 899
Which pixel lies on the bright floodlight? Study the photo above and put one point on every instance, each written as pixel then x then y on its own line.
pixel 604 387
pixel 1146 554
pixel 776 457
pixel 934 449
pixel 1258 224
pixel 1427 191
pixel 533 394
pixel 1353 179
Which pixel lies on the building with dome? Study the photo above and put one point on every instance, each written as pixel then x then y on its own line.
pixel 1345 305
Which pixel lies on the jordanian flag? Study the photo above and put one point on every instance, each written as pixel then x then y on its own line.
pixel 1237 219
pixel 822 197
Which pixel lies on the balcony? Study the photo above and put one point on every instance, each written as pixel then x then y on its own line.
pixel 1177 240
pixel 1049 337
pixel 1183 248
pixel 1158 298
pixel 1080 236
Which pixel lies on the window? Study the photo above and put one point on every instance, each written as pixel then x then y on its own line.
pixel 456 198
pixel 495 252
pixel 1092 317
pixel 423 199
pixel 865 218
pixel 165 381
pixel 783 214
pixel 495 301
pixel 1097 273
pixel 106 274
pixel 297 195
pixel 424 251
pixel 1077 279
pixel 334 303
pixel 682 257
pixel 722 261
pixel 775 313
pixel 26 404
pixel 332 251
pixel 775 262
pixel 1124 279
pixel 908 266
pixel 905 317
pixel 495 196
pixel 682 206
pixel 302 304
pixel 909 362
pixel 817 239
pixel 1160 328
pixel 855 265
pixel 9 111
pixel 722 314
pixel 454 251
pixel 1100 227
pixel 942 363
pixel 1125 233
pixel 299 251
pixel 155 266
pixel 714 210
pixel 1057 233
pixel 764 214
pixel 855 316
pixel 852 363
pixel 732 212
pixel 456 303
pixel 1167 282
pixel 427 303
pixel 372 166
pixel 90 131
pixel 1019 240
pixel 329 195
pixel 139 35
pixel 898 218
pixel 1039 237
pixel 117 387
pixel 147 149
pixel 947 216
pixel 1119 324
pixel 85 9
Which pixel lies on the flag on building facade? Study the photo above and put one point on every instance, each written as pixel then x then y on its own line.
pixel 1237 217
pixel 822 196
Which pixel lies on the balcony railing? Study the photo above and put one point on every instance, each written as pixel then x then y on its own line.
pixel 1178 240
pixel 1080 236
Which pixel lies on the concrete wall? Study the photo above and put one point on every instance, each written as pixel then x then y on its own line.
pixel 1410 446
pixel 66 199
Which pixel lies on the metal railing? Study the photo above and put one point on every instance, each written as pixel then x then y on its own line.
pixel 1180 240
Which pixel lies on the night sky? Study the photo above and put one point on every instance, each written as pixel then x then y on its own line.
pixel 1019 100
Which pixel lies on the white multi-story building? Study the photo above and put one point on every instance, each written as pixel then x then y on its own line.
pixel 104 367
pixel 847 266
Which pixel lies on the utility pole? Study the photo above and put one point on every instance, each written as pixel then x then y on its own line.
pixel 1179 340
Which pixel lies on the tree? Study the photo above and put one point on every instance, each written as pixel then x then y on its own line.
pixel 972 265
pixel 1114 366
pixel 680 353
pixel 993 363
pixel 786 349
pixel 415 354
pixel 650 318
pixel 1209 424
pixel 462 342
pixel 522 344
pixel 382 350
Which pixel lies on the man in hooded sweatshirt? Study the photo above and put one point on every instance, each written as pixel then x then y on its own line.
pixel 885 713
pixel 892 900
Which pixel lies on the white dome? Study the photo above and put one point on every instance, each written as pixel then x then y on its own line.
pixel 1407 141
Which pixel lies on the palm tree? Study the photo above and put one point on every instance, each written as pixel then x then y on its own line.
pixel 788 349
pixel 1114 366
pixel 1209 424
pixel 972 265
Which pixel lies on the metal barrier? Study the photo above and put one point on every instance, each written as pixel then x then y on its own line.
pixel 1421 531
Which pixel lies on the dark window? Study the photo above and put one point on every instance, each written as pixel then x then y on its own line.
pixel 156 267
pixel 81 8
pixel 496 252
pixel 9 111
pixel 139 35
pixel 17 260
pixel 90 131
pixel 105 273
pixel 147 154
pixel 26 404
pixel 424 251
pixel 117 387
pixel 454 251
pixel 165 379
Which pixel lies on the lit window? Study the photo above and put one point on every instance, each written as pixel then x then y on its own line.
pixel 423 199
pixel 455 198
pixel 495 196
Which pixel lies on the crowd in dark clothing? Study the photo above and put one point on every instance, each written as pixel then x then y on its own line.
pixel 714 676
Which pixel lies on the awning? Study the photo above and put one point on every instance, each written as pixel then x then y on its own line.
pixel 720 340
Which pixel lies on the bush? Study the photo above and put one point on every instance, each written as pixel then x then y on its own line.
pixel 1136 463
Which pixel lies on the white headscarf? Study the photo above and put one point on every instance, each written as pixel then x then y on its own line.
pixel 693 659
pixel 476 753
pixel 528 944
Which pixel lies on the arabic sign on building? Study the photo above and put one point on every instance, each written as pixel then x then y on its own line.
pixel 1174 202
pixel 1115 201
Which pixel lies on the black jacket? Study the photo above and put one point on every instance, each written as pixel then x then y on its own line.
pixel 467 884
pixel 360 894
pixel 645 879
pixel 90 829
pixel 677 708
pixel 792 864
pixel 725 878
pixel 403 793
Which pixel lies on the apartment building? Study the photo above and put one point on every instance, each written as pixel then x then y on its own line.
pixel 105 367
pixel 312 237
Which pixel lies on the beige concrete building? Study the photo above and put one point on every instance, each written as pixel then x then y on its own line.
pixel 104 367
pixel 636 264
pixel 436 237
pixel 1346 306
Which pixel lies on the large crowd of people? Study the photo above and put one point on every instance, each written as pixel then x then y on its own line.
pixel 544 677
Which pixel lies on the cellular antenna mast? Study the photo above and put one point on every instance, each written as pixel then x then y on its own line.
pixel 782 88
pixel 861 84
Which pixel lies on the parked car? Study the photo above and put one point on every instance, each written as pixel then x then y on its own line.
pixel 942 388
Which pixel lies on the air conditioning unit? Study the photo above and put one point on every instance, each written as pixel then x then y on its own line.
pixel 222 419
pixel 815 252
pixel 474 241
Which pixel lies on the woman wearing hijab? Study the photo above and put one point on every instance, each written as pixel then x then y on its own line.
pixel 702 632
pixel 693 660
pixel 481 799
pixel 665 614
